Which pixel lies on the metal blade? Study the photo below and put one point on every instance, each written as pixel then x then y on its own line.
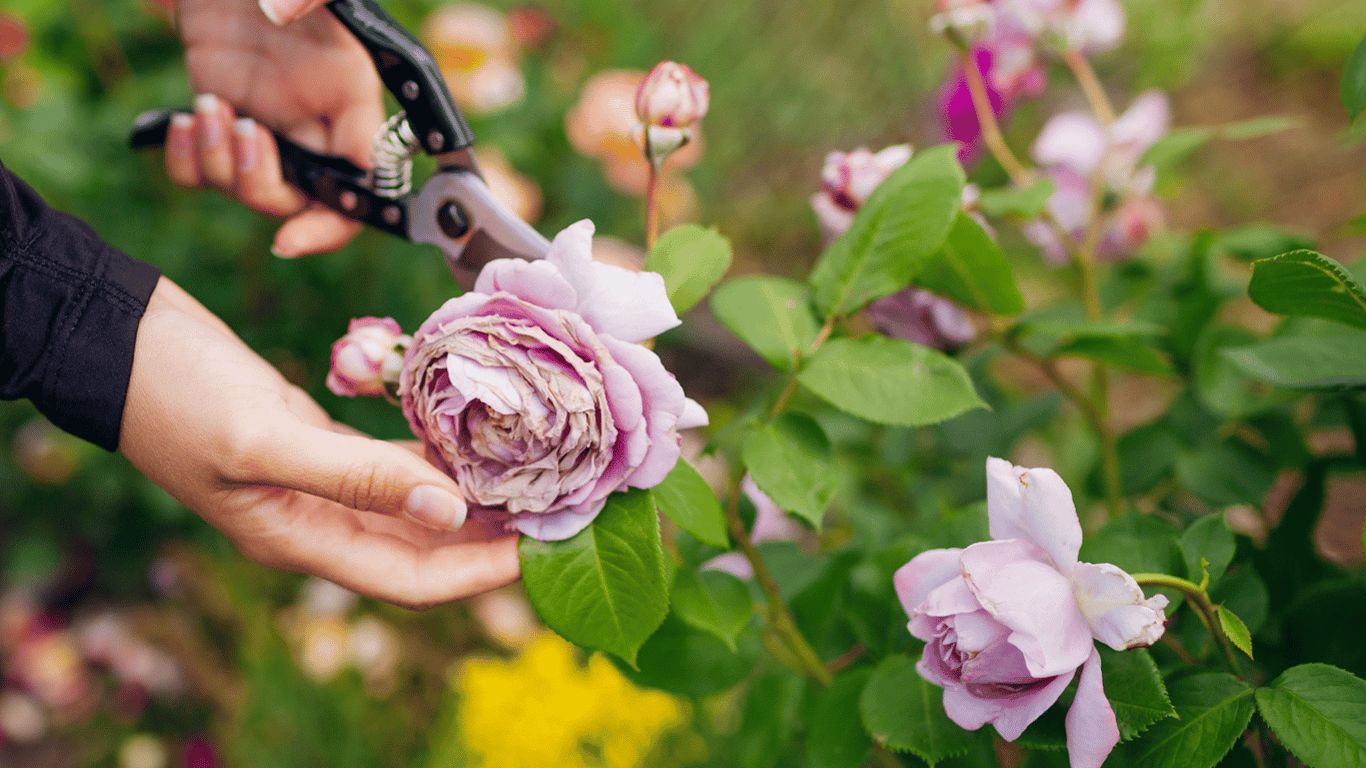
pixel 456 211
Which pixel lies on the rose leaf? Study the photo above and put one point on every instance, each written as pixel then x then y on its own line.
pixel 890 381
pixel 972 270
pixel 1135 690
pixel 904 713
pixel 772 315
pixel 901 225
pixel 1319 713
pixel 1308 284
pixel 713 601
pixel 791 461
pixel 1234 629
pixel 1212 710
pixel 686 499
pixel 1209 538
pixel 606 587
pixel 691 259
pixel 836 738
pixel 1304 362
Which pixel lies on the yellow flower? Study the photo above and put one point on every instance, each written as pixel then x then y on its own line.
pixel 544 709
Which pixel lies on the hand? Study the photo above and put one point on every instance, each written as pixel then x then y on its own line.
pixel 310 80
pixel 225 434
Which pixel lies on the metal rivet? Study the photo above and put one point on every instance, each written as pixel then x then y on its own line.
pixel 452 220
pixel 348 200
pixel 410 90
pixel 392 215
pixel 435 140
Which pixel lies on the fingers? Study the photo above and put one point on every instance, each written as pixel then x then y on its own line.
pixel 354 471
pixel 214 141
pixel 259 181
pixel 281 12
pixel 315 230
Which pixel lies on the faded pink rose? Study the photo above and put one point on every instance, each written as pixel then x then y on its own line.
pixel 1008 623
pixel 1088 26
pixel 848 179
pixel 359 357
pixel 533 391
pixel 672 96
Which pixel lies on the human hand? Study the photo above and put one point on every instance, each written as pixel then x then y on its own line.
pixel 309 80
pixel 224 433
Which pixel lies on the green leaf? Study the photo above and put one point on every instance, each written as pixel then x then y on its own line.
pixel 1352 90
pixel 972 270
pixel 712 601
pixel 900 226
pixel 1213 707
pixel 1319 713
pixel 1208 538
pixel 606 587
pixel 1025 202
pixel 1257 127
pixel 890 381
pixel 770 717
pixel 1135 690
pixel 1304 362
pixel 1226 473
pixel 1222 386
pixel 836 738
pixel 1234 629
pixel 1260 241
pixel 1176 146
pixel 1131 353
pixel 1137 543
pixel 688 501
pixel 790 459
pixel 689 662
pixel 691 259
pixel 904 713
pixel 1308 284
pixel 770 314
pixel 1146 456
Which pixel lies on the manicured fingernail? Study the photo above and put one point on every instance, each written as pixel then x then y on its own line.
pixel 274 10
pixel 245 128
pixel 181 135
pixel 211 130
pixel 435 507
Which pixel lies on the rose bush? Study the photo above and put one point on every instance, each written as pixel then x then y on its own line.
pixel 533 391
pixel 1007 623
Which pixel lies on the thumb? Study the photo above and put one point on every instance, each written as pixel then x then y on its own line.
pixel 281 12
pixel 358 472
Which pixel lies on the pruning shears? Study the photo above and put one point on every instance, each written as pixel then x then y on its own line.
pixel 453 210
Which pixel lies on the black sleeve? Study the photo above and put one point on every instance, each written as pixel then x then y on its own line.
pixel 69 310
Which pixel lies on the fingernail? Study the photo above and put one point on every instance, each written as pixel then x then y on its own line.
pixel 435 507
pixel 181 135
pixel 274 11
pixel 206 106
pixel 245 128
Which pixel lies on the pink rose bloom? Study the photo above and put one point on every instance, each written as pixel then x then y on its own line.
pixel 1009 623
pixel 533 391
pixel 917 315
pixel 359 357
pixel 1088 26
pixel 1074 149
pixel 848 179
pixel 672 96
pixel 771 523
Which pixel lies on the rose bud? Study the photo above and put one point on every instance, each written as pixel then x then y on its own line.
pixel 672 96
pixel 533 392
pixel 848 179
pixel 359 358
pixel 1009 623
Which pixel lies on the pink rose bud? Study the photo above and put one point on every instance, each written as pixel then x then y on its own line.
pixel 672 96
pixel 917 315
pixel 362 358
pixel 1009 623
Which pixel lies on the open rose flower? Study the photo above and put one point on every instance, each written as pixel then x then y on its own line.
pixel 533 391
pixel 1009 623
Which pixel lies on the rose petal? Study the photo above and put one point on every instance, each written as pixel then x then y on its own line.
pixel 1035 505
pixel 1113 605
pixel 1091 728
pixel 1146 120
pixel 631 306
pixel 1096 26
pixel 694 415
pixel 1018 712
pixel 556 526
pixel 1015 583
pixel 662 403
pixel 915 580
pixel 733 563
pixel 538 282
pixel 1072 140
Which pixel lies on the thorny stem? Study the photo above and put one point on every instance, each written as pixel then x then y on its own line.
pixel 780 619
pixel 791 387
pixel 1198 599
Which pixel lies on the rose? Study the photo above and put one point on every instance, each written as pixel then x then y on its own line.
pixel 848 179
pixel 672 96
pixel 365 358
pixel 917 315
pixel 1007 623
pixel 533 393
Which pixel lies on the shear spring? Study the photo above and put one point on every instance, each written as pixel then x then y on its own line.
pixel 392 156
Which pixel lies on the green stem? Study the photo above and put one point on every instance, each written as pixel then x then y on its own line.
pixel 791 387
pixel 1198 599
pixel 780 619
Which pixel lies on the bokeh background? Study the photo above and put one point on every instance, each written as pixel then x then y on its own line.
pixel 133 635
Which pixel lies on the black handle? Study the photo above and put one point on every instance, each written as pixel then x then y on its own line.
pixel 333 181
pixel 409 73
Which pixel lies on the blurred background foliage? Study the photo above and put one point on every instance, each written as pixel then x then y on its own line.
pixel 133 635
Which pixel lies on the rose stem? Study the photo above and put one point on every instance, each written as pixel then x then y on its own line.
pixel 780 618
pixel 986 119
pixel 791 387
pixel 1090 85
pixel 651 194
pixel 1204 608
